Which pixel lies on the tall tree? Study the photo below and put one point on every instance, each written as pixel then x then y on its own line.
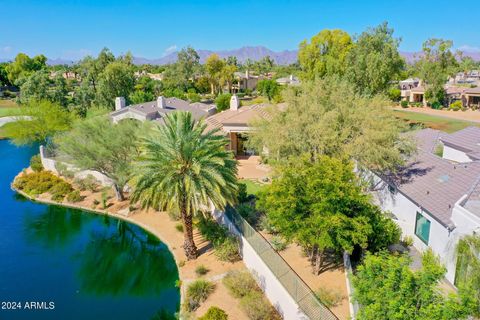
pixel 434 67
pixel 214 66
pixel 321 206
pixel 268 88
pixel 35 87
pixel 327 117
pixel 100 145
pixel 468 267
pixel 184 168
pixel 38 121
pixel 387 288
pixel 325 54
pixel 23 66
pixel 188 61
pixel 117 80
pixel 374 62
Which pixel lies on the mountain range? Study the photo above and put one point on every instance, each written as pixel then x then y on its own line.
pixel 253 53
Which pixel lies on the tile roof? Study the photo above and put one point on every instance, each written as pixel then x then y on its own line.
pixel 241 117
pixel 467 140
pixel 433 183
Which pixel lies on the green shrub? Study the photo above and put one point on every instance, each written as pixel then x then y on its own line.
pixel 89 183
pixel 36 163
pixel 278 243
pixel 436 105
pixel 74 196
pixel 394 94
pixel 63 170
pixel 41 182
pixel 330 298
pixel 214 313
pixel 179 227
pixel 228 250
pixel 197 292
pixel 404 103
pixel 212 231
pixel 248 213
pixel 96 202
pixel 266 225
pixel 223 101
pixel 257 307
pixel 240 283
pixel 201 270
pixel 455 106
pixel 242 193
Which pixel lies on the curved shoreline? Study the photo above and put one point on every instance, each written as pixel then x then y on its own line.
pixel 140 224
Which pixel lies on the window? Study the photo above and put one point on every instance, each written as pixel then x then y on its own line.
pixel 392 189
pixel 422 228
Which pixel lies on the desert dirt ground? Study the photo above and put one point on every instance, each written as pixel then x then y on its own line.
pixel 467 115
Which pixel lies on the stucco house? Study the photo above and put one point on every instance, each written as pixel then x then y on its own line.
pixel 235 123
pixel 436 200
pixel 288 81
pixel 245 80
pixel 407 85
pixel 156 110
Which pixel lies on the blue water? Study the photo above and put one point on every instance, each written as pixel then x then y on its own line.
pixel 76 265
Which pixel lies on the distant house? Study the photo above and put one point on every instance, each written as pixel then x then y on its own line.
pixel 156 110
pixel 245 81
pixel 235 124
pixel 288 81
pixel 436 200
pixel 407 85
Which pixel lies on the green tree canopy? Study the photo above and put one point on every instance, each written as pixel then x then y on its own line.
pixel 23 66
pixel 268 88
pixel 325 54
pixel 117 80
pixel 374 62
pixel 213 67
pixel 100 145
pixel 185 169
pixel 387 288
pixel 468 267
pixel 321 206
pixel 327 117
pixel 38 121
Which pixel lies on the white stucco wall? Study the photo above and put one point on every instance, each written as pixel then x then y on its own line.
pixel 452 154
pixel 273 289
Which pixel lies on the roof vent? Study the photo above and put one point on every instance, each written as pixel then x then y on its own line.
pixel 443 178
pixel 428 192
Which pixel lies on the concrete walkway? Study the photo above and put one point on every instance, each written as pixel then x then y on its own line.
pixel 5 120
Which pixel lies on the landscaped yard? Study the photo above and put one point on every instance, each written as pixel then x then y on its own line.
pixel 253 187
pixel 8 108
pixel 434 122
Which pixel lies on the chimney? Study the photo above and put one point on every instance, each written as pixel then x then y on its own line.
pixel 119 103
pixel 234 103
pixel 247 74
pixel 161 103
pixel 291 77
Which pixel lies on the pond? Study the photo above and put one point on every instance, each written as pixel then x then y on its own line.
pixel 58 263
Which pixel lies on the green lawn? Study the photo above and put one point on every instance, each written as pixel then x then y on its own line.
pixel 434 122
pixel 8 108
pixel 253 187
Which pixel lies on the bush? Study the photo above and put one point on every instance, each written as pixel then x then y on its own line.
pixel 257 307
pixel 36 163
pixel 248 213
pixel 436 105
pixel 192 96
pixel 455 106
pixel 214 313
pixel 266 225
pixel 242 193
pixel 223 101
pixel 201 270
pixel 212 231
pixel 74 196
pixel 197 292
pixel 228 250
pixel 394 94
pixel 240 283
pixel 41 182
pixel 404 103
pixel 63 170
pixel 330 298
pixel 179 227
pixel 278 243
pixel 89 183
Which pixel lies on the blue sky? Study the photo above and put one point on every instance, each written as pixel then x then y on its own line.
pixel 71 29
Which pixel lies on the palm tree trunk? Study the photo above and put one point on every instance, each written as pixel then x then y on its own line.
pixel 118 192
pixel 188 242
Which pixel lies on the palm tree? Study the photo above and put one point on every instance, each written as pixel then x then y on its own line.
pixel 184 168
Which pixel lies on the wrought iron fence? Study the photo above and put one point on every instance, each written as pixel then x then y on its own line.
pixel 295 286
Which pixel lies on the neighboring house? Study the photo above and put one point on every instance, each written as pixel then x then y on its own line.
pixel 432 199
pixel 288 81
pixel 462 146
pixel 245 81
pixel 235 124
pixel 469 77
pixel 471 97
pixel 153 76
pixel 156 110
pixel 407 85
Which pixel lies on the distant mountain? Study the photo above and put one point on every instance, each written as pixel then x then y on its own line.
pixel 253 53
